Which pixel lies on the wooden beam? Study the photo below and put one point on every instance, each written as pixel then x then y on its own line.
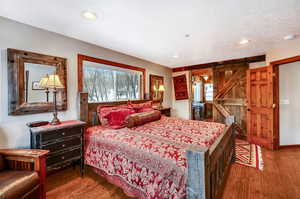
pixel 258 58
pixel 286 61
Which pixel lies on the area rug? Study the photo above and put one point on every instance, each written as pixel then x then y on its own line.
pixel 248 154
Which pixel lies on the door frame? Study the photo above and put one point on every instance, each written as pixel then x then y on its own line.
pixel 275 65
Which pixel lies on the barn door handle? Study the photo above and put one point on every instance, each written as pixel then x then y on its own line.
pixel 273 105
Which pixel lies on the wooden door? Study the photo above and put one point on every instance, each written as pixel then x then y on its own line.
pixel 260 107
pixel 230 95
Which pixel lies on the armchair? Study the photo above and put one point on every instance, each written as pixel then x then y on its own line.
pixel 22 173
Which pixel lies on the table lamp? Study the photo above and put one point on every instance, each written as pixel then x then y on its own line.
pixel 54 83
pixel 161 89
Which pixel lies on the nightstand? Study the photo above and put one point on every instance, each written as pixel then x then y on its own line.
pixel 164 110
pixel 64 141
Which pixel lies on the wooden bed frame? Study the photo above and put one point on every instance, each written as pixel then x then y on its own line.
pixel 214 160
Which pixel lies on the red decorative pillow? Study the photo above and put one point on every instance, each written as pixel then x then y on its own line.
pixel 116 118
pixel 140 107
pixel 103 111
pixel 137 119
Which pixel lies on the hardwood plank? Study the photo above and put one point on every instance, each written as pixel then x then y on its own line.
pixel 280 179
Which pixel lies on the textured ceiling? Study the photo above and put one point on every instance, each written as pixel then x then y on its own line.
pixel 155 30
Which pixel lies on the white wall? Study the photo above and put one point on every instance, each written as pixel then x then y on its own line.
pixel 289 95
pixel 13 132
pixel 182 108
pixel 257 64
pixel 284 49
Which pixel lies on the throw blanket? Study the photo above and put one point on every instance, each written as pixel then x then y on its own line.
pixel 148 161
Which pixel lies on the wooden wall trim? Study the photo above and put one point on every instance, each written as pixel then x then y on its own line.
pixel 286 61
pixel 293 146
pixel 81 58
pixel 258 58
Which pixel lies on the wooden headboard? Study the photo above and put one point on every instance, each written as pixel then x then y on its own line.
pixel 88 111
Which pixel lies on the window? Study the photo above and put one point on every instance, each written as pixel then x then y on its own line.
pixel 198 96
pixel 208 91
pixel 105 83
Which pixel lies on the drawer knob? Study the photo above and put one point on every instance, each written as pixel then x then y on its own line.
pixel 63 133
pixel 63 145
pixel 63 157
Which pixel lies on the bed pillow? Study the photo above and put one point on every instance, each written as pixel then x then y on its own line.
pixel 104 111
pixel 143 107
pixel 137 119
pixel 116 118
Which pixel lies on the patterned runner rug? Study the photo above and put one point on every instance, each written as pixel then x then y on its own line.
pixel 248 154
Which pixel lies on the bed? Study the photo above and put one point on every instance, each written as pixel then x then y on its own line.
pixel 167 158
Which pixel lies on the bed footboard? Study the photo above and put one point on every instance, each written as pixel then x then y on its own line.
pixel 208 167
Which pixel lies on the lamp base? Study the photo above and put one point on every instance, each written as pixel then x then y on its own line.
pixel 55 121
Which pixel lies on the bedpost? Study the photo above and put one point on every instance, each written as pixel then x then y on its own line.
pixel 230 120
pixel 83 107
pixel 198 183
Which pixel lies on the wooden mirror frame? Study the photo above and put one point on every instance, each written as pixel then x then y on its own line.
pixel 151 90
pixel 16 83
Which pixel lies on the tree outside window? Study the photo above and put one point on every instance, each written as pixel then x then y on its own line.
pixel 108 84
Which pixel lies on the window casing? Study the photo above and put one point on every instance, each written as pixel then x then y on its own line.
pixel 107 81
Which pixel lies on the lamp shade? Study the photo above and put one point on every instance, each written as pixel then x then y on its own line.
pixel 43 82
pixel 54 82
pixel 161 88
pixel 205 77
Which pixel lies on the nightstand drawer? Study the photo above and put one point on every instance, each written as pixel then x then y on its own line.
pixel 59 134
pixel 65 156
pixel 57 146
pixel 164 110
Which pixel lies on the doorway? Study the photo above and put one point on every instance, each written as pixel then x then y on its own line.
pixel 289 109
pixel 288 93
pixel 202 94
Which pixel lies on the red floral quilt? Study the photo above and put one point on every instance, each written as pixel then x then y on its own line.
pixel 148 161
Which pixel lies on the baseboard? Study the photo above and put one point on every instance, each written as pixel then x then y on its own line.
pixel 289 146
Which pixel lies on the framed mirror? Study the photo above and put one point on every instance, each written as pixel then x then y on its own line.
pixel 155 82
pixel 25 71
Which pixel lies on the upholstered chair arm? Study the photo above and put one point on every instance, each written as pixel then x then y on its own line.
pixel 24 159
pixel 28 159
pixel 32 153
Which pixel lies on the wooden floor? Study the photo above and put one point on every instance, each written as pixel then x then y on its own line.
pixel 279 180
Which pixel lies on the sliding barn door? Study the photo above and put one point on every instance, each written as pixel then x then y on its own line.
pixel 260 107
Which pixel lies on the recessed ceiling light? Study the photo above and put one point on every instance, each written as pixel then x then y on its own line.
pixel 187 35
pixel 89 15
pixel 244 41
pixel 289 37
pixel 175 56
